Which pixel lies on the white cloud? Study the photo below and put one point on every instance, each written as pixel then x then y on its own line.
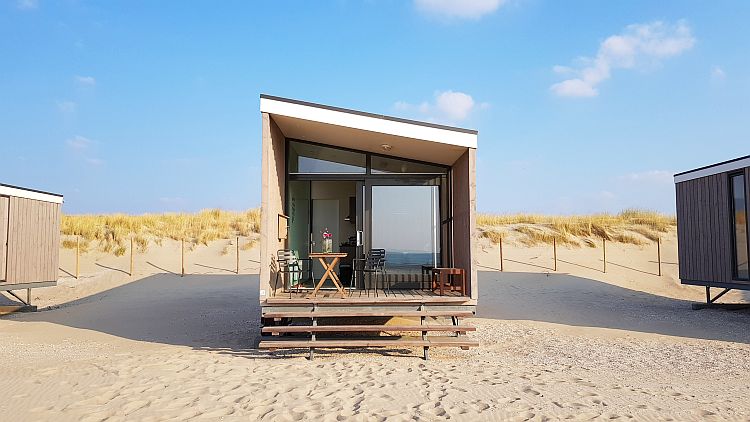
pixel 78 142
pixel 66 107
pixel 27 4
pixel 649 176
pixel 462 9
pixel 95 161
pixel 85 80
pixel 718 74
pixel 447 106
pixel 639 44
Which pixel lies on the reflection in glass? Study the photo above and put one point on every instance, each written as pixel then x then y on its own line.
pixel 392 165
pixel 740 227
pixel 405 221
pixel 308 158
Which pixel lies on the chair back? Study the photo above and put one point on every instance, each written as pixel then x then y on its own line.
pixel 375 259
pixel 285 257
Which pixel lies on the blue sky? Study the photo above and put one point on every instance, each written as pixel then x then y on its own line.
pixel 582 106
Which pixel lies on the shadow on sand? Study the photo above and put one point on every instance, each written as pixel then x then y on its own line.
pixel 577 301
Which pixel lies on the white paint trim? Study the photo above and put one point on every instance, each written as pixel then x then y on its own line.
pixel 371 124
pixel 722 168
pixel 23 193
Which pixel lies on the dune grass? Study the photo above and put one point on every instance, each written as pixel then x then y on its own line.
pixel 629 226
pixel 111 232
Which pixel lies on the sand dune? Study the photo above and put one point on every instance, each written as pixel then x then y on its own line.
pixel 576 344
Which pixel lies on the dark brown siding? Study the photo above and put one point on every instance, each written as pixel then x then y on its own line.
pixel 33 241
pixel 704 228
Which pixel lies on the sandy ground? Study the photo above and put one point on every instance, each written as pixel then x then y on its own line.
pixel 572 344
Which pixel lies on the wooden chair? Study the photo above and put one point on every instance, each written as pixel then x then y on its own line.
pixel 443 278
pixel 372 263
pixel 290 265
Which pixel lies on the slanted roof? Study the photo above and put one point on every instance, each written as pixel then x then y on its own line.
pixel 367 131
pixel 19 192
pixel 722 167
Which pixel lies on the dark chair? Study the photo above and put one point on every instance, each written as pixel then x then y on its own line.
pixel 290 265
pixel 372 263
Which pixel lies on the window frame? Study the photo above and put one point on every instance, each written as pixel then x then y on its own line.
pixel 730 178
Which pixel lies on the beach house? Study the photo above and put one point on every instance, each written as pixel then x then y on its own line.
pixel 712 229
pixel 366 219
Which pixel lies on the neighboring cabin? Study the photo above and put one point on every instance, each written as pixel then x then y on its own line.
pixel 29 239
pixel 712 229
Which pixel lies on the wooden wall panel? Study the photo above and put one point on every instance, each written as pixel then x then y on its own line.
pixel 704 229
pixel 33 241
pixel 464 217
pixel 273 185
pixel 4 202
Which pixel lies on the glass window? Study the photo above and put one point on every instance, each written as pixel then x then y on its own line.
pixel 308 158
pixel 739 215
pixel 393 165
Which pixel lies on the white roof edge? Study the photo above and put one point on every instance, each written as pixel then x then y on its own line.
pixel 433 133
pixel 30 194
pixel 711 170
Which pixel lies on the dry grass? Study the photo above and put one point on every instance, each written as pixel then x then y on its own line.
pixel 630 226
pixel 111 232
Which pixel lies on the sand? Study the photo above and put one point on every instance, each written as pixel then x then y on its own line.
pixel 573 344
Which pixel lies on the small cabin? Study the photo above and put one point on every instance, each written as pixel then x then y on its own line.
pixel 364 216
pixel 29 239
pixel 712 228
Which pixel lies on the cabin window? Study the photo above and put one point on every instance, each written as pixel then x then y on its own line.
pixel 393 165
pixel 310 158
pixel 739 220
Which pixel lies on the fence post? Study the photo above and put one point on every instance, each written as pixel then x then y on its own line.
pixel 554 251
pixel 131 254
pixel 658 253
pixel 501 254
pixel 78 253
pixel 238 255
pixel 182 256
pixel 604 249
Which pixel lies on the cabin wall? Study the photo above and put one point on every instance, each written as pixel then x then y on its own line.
pixel 704 228
pixel 272 202
pixel 4 202
pixel 464 217
pixel 33 238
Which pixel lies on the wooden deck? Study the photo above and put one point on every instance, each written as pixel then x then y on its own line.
pixel 372 296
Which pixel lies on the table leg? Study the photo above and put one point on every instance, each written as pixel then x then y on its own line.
pixel 325 276
pixel 335 277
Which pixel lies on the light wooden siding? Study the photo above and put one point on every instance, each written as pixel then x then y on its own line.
pixel 4 200
pixel 704 229
pixel 464 217
pixel 33 241
pixel 273 187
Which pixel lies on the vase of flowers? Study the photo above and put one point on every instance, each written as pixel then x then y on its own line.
pixel 327 241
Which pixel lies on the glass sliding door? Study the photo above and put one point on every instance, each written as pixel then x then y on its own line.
pixel 739 220
pixel 405 221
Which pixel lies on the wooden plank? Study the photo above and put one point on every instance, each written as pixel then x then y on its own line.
pixel 281 343
pixel 364 328
pixel 353 313
pixel 4 203
pixel 370 301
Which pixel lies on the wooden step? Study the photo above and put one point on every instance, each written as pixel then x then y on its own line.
pixel 453 300
pixel 364 328
pixel 365 313
pixel 287 343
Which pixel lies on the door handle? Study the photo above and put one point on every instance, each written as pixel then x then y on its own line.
pixel 359 237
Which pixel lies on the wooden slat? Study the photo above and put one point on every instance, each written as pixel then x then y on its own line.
pixel 364 328
pixel 282 343
pixel 368 301
pixel 354 313
pixel 4 203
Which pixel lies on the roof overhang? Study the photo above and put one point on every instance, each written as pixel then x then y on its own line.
pixel 19 192
pixel 368 132
pixel 723 167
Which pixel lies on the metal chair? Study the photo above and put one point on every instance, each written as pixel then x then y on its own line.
pixel 290 265
pixel 372 263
